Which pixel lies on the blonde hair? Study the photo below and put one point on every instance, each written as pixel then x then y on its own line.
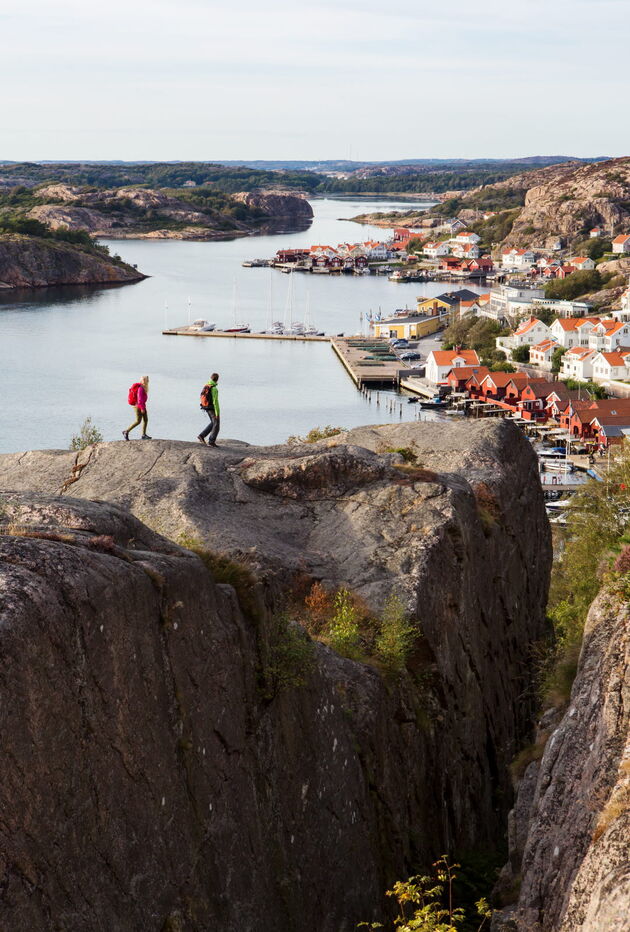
pixel 145 382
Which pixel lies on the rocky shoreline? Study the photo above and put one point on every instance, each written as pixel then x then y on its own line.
pixel 32 262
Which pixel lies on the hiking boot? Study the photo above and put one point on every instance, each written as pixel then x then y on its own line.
pixel 125 434
pixel 211 443
pixel 146 437
pixel 201 439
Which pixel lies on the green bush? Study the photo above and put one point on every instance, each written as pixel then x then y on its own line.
pixel 396 635
pixel 87 435
pixel 575 285
pixel 290 656
pixel 556 358
pixel 343 631
pixel 521 353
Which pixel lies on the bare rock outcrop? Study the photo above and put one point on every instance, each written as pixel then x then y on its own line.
pixel 31 262
pixel 149 780
pixel 572 819
pixel 569 203
pixel 279 204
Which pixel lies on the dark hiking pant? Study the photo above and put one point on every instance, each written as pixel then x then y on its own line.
pixel 212 430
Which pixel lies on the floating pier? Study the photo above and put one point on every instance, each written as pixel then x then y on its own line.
pixel 368 362
pixel 290 337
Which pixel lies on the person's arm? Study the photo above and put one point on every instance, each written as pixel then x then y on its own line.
pixel 215 399
pixel 141 399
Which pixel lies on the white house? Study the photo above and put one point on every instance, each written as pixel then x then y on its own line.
pixel 435 250
pixel 608 334
pixel 465 250
pixel 466 238
pixel 564 332
pixel 517 258
pixel 565 308
pixel 376 250
pixel 440 362
pixel 530 331
pixel 582 263
pixel 595 232
pixel 621 244
pixel 541 353
pixel 510 301
pixel 615 365
pixel 624 311
pixel 577 363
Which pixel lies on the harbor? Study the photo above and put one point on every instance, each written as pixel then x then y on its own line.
pixel 186 331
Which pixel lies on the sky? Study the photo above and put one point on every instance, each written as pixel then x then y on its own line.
pixel 360 79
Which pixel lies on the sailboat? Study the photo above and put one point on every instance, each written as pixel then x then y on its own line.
pixel 236 327
pixel 309 329
pixel 295 328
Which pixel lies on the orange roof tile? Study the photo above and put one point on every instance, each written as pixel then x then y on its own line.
pixel 447 357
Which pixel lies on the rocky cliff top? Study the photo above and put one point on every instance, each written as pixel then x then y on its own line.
pixel 184 489
pixel 31 262
pixel 149 779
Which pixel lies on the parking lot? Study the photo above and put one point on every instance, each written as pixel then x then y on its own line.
pixel 423 346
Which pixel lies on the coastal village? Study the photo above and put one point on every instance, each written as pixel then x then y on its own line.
pixel 554 349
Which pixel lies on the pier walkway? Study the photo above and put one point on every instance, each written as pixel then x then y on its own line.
pixel 290 337
pixel 370 362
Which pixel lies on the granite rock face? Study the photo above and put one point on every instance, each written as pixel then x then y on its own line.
pixel 30 262
pixel 148 779
pixel 279 204
pixel 570 842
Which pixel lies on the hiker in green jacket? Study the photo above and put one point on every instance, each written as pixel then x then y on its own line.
pixel 210 404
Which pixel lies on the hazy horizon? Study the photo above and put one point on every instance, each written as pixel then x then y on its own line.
pixel 196 81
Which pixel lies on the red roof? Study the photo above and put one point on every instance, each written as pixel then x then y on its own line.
pixel 467 372
pixel 621 238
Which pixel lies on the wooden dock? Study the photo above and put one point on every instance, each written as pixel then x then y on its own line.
pixel 368 362
pixel 290 337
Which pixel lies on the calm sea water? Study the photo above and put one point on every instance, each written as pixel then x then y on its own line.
pixel 69 353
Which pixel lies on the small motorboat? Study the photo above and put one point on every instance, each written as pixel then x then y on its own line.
pixel 202 326
pixel 436 402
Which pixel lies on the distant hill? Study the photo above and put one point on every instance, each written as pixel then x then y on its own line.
pixel 557 201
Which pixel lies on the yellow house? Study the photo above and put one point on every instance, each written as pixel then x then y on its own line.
pixel 406 328
pixel 434 306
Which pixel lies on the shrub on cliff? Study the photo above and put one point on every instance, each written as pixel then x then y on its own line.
pixel 288 656
pixel 315 434
pixel 425 903
pixel 88 434
pixel 396 636
pixel 343 631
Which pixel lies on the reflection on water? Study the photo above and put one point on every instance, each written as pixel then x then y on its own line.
pixel 66 353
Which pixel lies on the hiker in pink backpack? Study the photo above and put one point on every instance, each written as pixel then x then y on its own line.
pixel 138 394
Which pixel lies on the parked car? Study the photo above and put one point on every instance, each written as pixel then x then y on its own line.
pixel 411 355
pixel 400 342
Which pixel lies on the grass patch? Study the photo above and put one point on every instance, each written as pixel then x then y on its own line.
pixel 407 454
pixel 315 434
pixel 230 572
